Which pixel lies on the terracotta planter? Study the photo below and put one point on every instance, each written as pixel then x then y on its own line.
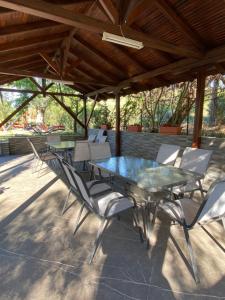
pixel 105 126
pixel 134 128
pixel 170 130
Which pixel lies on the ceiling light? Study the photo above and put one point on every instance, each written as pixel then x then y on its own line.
pixel 121 40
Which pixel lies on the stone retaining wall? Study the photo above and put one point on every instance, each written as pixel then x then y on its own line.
pixel 19 145
pixel 147 145
pixel 4 148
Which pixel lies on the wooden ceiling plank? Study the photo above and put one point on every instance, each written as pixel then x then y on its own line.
pixel 99 55
pixel 31 42
pixel 182 25
pixel 137 11
pixel 34 27
pixel 49 11
pixel 110 10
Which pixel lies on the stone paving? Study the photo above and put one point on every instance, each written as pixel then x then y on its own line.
pixel 41 259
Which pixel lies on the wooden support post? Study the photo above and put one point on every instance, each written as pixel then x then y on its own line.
pixel 117 137
pixel 18 109
pixel 199 102
pixel 85 118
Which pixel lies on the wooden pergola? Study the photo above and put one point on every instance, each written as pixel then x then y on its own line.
pixel 62 40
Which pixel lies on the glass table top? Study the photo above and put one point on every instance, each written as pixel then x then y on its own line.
pixel 61 145
pixel 146 174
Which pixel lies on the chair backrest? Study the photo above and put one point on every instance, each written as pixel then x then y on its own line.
pixel 100 134
pixel 196 160
pixel 81 151
pixel 167 154
pixel 81 186
pixel 91 138
pixel 100 151
pixel 102 139
pixel 214 203
pixel 66 171
pixel 53 138
pixel 33 148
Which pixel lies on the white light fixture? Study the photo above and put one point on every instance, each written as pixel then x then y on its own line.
pixel 121 40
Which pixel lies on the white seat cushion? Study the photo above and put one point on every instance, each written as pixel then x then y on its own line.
pixel 189 208
pixel 103 201
pixel 97 188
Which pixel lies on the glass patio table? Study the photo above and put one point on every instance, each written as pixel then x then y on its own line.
pixel 61 146
pixel 148 175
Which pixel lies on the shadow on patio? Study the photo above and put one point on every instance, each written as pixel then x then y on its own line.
pixel 40 258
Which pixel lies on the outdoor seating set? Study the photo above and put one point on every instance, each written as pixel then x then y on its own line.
pixel 170 189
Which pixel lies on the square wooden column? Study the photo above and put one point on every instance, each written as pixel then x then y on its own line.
pixel 85 118
pixel 199 102
pixel 117 136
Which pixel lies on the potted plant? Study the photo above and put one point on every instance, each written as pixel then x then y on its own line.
pixel 134 128
pixel 170 129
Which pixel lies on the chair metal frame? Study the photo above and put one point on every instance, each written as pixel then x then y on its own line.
pixel 91 208
pixel 180 219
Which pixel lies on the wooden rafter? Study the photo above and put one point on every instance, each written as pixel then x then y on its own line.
pixel 98 55
pixel 25 73
pixel 211 56
pixel 110 10
pixel 49 11
pixel 38 92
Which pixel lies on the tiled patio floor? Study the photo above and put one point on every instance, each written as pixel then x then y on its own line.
pixel 41 259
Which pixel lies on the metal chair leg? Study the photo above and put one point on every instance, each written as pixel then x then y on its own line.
pixel 98 240
pixel 78 219
pixel 191 254
pixel 136 224
pixel 223 221
pixel 66 201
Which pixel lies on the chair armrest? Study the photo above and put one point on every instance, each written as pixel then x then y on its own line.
pixel 111 204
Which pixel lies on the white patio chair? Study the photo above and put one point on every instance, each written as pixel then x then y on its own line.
pixel 95 186
pixel 167 154
pixel 40 158
pixel 102 139
pixel 91 138
pixel 100 151
pixel 188 213
pixel 105 206
pixel 99 135
pixel 195 160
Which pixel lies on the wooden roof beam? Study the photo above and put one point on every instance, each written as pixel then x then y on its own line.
pixel 24 73
pixel 213 56
pixel 110 10
pixel 49 11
